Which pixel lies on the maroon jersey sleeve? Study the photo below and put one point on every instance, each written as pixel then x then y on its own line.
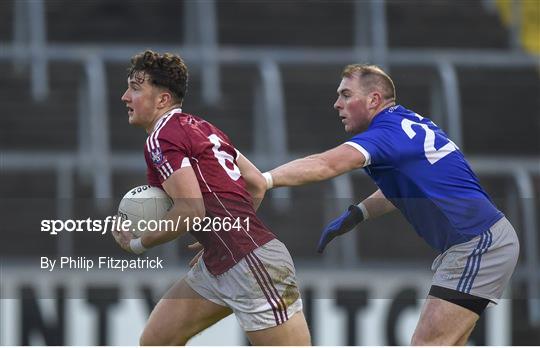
pixel 167 149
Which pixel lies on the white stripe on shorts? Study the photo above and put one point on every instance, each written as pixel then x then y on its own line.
pixel 281 303
pixel 264 289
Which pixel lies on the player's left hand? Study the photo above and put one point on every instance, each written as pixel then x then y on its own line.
pixel 122 238
pixel 343 224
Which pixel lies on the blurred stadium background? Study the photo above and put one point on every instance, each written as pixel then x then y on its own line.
pixel 265 72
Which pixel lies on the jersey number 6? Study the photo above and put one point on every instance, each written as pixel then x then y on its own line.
pixel 433 155
pixel 223 157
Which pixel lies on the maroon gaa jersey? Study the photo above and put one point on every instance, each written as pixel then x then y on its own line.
pixel 230 229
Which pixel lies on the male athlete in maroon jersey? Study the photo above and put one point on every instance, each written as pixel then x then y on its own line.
pixel 181 140
pixel 244 268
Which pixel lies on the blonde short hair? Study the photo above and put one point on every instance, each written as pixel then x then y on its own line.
pixel 371 77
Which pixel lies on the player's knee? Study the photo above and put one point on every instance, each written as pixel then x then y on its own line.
pixel 145 339
pixel 418 340
pixel 306 339
pixel 150 337
pixel 432 336
pixel 425 337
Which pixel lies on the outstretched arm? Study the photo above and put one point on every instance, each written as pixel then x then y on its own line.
pixel 316 168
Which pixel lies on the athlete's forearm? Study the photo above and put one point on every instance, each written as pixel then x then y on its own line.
pixel 255 182
pixel 302 171
pixel 318 167
pixel 377 204
pixel 257 195
pixel 183 210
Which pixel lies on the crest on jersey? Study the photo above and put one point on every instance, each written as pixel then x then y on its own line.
pixel 157 156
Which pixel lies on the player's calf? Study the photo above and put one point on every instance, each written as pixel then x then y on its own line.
pixel 151 337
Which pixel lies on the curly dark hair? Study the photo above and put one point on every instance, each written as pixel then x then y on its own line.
pixel 165 70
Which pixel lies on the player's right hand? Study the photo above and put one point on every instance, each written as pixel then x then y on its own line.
pixel 346 222
pixel 196 246
pixel 123 238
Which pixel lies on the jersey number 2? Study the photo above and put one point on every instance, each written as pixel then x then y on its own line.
pixel 433 155
pixel 223 157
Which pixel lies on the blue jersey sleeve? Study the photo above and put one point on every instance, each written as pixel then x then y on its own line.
pixel 375 144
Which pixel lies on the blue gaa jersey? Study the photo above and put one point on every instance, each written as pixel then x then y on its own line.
pixel 425 175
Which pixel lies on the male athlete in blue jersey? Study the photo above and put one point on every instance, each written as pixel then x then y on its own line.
pixel 423 174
